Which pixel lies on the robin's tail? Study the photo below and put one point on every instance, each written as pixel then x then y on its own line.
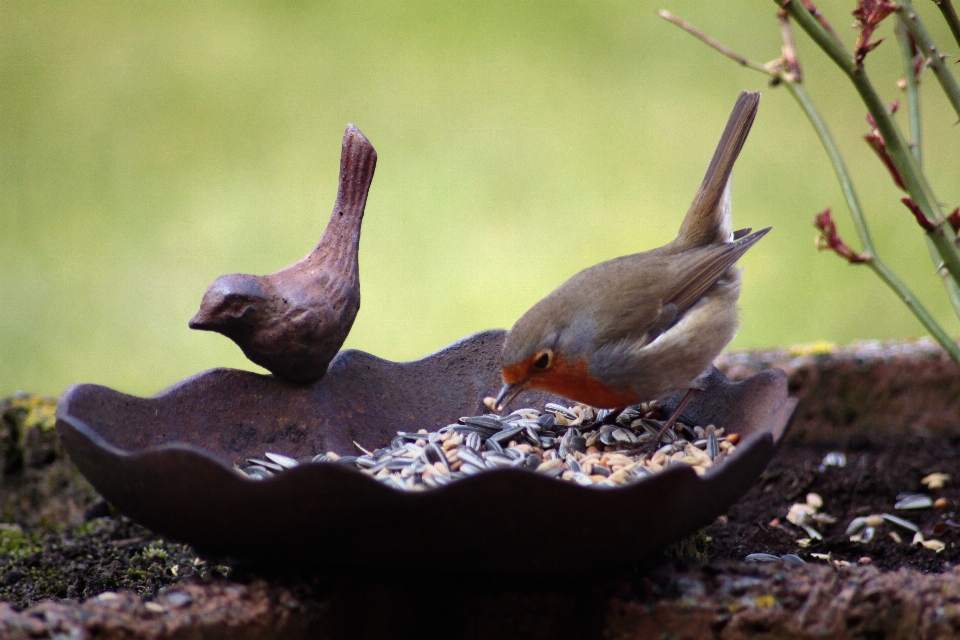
pixel 708 220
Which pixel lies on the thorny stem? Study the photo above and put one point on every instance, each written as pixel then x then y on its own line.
pixel 907 51
pixel 929 50
pixel 950 15
pixel 918 309
pixel 853 203
pixel 839 167
pixel 700 35
pixel 795 87
pixel 913 178
pixel 911 89
pixel 789 60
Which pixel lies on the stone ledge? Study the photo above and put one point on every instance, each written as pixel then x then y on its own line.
pixel 896 387
pixel 729 601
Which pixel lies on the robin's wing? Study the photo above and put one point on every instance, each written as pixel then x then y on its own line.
pixel 655 292
pixel 706 267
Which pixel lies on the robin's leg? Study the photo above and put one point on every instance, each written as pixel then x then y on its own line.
pixel 672 420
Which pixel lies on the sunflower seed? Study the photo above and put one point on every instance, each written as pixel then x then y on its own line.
pixel 547 422
pixel 762 557
pixel 560 409
pixel 792 558
pixel 913 501
pixel 578 444
pixel 813 533
pixel 496 460
pixel 582 479
pixel 603 414
pixel 283 461
pixel 492 445
pixel 834 459
pixel 627 416
pixel 556 472
pixel 506 435
pixel 532 436
pixel 466 430
pixel 487 421
pixel 366 462
pixel 856 525
pixel 257 472
pixel 713 447
pixel 433 453
pixel 513 452
pixel 468 455
pixel 271 466
pixel 900 522
pixel 473 441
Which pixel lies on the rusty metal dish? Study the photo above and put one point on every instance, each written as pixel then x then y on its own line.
pixel 166 462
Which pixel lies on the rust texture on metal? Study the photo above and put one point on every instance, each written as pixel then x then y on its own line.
pixel 166 463
pixel 293 322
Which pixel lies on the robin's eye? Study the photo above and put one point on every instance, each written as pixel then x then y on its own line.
pixel 543 359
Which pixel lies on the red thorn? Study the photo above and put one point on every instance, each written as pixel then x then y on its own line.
pixel 954 220
pixel 869 14
pixel 830 240
pixel 875 140
pixel 922 219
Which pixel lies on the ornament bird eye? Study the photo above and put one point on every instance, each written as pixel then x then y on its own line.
pixel 543 360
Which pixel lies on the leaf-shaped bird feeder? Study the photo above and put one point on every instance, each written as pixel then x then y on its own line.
pixel 166 462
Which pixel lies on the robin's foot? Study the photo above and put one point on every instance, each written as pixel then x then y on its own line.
pixel 672 420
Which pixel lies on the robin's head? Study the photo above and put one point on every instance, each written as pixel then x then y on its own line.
pixel 537 349
pixel 231 305
pixel 550 349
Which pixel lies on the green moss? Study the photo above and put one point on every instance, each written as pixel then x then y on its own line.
pixel 27 434
pixel 155 552
pixel 136 574
pixel 29 410
pixel 693 547
pixel 11 538
pixel 15 544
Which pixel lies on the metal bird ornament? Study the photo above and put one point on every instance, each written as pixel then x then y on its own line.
pixel 643 326
pixel 293 322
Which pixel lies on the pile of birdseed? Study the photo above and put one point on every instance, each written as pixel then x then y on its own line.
pixel 578 444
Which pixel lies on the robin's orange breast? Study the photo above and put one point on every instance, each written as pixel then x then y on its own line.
pixel 572 379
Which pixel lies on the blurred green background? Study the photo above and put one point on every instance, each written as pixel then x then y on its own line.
pixel 147 147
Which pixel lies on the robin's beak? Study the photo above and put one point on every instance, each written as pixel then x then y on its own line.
pixel 507 394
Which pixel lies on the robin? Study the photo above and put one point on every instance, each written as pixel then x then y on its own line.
pixel 293 322
pixel 643 326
